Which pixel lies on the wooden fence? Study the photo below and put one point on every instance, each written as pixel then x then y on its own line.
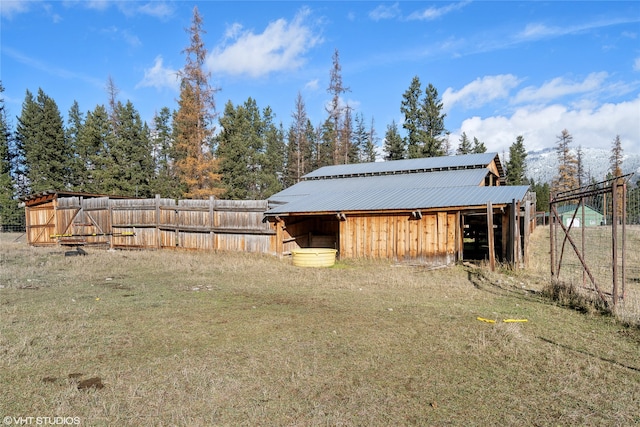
pixel 158 223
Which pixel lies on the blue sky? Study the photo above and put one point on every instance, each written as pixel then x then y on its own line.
pixel 502 69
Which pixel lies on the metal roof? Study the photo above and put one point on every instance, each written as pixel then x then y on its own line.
pixel 377 199
pixel 455 178
pixel 467 161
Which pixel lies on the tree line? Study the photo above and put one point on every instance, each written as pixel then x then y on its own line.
pixel 195 152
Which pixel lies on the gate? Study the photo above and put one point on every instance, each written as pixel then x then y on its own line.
pixel 588 239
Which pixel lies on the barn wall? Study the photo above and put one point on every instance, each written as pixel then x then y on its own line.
pixel 400 236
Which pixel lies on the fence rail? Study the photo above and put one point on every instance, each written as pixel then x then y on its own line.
pixel 156 223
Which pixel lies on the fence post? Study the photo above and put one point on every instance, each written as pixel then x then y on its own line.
pixel 490 237
pixel 614 239
pixel 158 233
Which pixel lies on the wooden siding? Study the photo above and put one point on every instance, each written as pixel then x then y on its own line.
pixel 234 225
pixel 400 236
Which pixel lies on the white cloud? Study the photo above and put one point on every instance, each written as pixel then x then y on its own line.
pixel 10 8
pixel 160 77
pixel 432 12
pixel 590 127
pixel 480 91
pixel 281 46
pixel 636 65
pixel 312 85
pixel 385 12
pixel 560 87
pixel 160 10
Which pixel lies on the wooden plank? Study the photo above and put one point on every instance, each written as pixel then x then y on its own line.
pixel 490 237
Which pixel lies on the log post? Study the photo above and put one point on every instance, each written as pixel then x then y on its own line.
pixel 490 237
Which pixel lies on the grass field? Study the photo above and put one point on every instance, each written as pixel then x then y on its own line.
pixel 200 339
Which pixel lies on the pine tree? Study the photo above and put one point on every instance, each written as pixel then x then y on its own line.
pixel 165 181
pixel 326 142
pixel 413 119
pixel 436 134
pixel 567 164
pixel 359 140
pixel 369 153
pixel 478 147
pixel 464 147
pixel 273 167
pixel 542 194
pixel 193 122
pixel 299 148
pixel 131 154
pixel 46 160
pixel 616 158
pixel 335 109
pixel 10 214
pixel 348 151
pixel 73 131
pixel 580 166
pixel 394 145
pixel 95 140
pixel 517 166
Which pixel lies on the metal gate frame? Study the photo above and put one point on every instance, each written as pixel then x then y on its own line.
pixel 617 189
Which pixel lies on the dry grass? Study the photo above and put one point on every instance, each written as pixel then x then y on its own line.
pixel 204 339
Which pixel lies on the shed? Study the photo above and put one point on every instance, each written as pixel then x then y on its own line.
pixel 434 210
pixel 65 217
pixel 572 215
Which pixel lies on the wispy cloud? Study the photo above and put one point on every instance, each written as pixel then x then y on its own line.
pixel 433 12
pixel 125 35
pixel 10 8
pixel 160 77
pixel 481 91
pixel 560 87
pixel 636 64
pixel 385 12
pixel 281 46
pixel 49 68
pixel 537 30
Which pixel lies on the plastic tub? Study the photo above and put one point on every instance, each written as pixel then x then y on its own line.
pixel 314 257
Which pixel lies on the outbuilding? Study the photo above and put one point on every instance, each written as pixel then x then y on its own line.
pixel 436 210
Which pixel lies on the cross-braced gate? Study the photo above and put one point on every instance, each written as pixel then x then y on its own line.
pixel 588 232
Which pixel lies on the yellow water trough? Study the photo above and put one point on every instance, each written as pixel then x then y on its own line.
pixel 314 257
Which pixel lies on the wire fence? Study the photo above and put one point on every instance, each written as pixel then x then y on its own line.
pixel 595 237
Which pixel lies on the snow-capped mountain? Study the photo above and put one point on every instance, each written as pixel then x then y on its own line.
pixel 542 165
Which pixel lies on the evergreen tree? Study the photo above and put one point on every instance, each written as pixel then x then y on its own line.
pixel 335 109
pixel 75 123
pixel 273 167
pixel 394 145
pixel 312 138
pixel 359 140
pixel 41 141
pixel 413 119
pixel 95 140
pixel 131 161
pixel 193 122
pixel 567 164
pixel 464 147
pixel 436 134
pixel 517 166
pixel 542 195
pixel 10 214
pixel 580 167
pixel 478 147
pixel 299 148
pixel 369 152
pixel 348 152
pixel 165 181
pixel 325 145
pixel 616 158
